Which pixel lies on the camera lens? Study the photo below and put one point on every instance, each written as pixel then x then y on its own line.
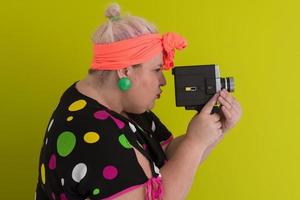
pixel 227 83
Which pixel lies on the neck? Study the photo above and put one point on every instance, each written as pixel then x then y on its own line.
pixel 106 94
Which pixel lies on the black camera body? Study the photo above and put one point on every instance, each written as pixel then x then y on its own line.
pixel 195 85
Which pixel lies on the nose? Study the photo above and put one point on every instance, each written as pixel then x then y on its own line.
pixel 162 80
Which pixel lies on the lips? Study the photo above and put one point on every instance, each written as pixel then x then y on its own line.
pixel 158 95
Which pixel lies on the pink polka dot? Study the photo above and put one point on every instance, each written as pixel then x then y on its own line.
pixel 52 162
pixel 101 114
pixel 110 172
pixel 119 123
pixel 53 195
pixel 145 146
pixel 63 196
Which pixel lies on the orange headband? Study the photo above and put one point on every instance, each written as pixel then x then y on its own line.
pixel 124 53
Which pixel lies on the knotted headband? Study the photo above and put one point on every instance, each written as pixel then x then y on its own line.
pixel 124 53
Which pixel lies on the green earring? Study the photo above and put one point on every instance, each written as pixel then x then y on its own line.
pixel 124 84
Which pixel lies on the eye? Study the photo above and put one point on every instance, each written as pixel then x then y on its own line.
pixel 159 68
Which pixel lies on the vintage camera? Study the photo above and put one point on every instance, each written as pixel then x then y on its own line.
pixel 195 85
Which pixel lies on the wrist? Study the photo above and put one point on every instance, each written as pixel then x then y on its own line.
pixel 195 143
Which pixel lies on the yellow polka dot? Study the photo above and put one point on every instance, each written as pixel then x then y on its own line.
pixel 43 176
pixel 77 105
pixel 70 118
pixel 91 137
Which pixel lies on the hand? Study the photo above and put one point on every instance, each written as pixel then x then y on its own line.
pixel 206 128
pixel 231 111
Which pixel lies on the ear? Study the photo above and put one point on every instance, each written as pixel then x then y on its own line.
pixel 125 72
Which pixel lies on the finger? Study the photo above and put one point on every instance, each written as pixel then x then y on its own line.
pixel 221 136
pixel 219 125
pixel 231 100
pixel 210 104
pixel 226 112
pixel 220 133
pixel 216 117
pixel 227 96
pixel 224 102
pixel 236 103
pixel 236 106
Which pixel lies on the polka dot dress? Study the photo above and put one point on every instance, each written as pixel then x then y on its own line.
pixel 88 150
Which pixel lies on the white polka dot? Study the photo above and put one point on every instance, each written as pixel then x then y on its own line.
pixel 132 127
pixel 153 127
pixel 156 169
pixel 79 172
pixel 62 181
pixel 50 124
pixel 140 144
pixel 46 142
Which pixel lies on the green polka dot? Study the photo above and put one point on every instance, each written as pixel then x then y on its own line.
pixel 124 142
pixel 96 191
pixel 65 143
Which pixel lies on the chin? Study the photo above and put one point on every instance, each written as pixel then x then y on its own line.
pixel 151 106
pixel 138 111
pixel 141 108
pixel 141 111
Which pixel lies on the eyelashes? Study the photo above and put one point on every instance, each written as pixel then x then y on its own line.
pixel 159 69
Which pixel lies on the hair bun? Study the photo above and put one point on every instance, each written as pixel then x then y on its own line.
pixel 112 11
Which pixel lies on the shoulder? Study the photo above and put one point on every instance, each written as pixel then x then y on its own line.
pixel 92 151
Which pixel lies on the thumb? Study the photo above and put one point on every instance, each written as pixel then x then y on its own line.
pixel 210 104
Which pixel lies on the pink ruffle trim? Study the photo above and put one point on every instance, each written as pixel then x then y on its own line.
pixel 165 142
pixel 154 189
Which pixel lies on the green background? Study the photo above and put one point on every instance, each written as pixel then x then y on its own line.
pixel 46 46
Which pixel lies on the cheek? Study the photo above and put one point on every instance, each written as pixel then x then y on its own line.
pixel 145 86
pixel 141 93
pixel 148 87
pixel 143 83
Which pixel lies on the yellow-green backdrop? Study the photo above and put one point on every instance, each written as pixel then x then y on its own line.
pixel 46 46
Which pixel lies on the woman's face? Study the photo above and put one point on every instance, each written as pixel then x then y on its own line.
pixel 146 82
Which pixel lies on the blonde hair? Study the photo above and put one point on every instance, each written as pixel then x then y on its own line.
pixel 120 28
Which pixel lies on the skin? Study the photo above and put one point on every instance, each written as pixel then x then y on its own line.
pixel 204 131
pixel 146 82
pixel 230 114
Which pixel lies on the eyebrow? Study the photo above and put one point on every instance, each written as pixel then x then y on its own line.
pixel 160 65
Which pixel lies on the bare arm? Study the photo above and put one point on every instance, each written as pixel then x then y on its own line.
pixel 178 173
pixel 185 154
pixel 173 145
